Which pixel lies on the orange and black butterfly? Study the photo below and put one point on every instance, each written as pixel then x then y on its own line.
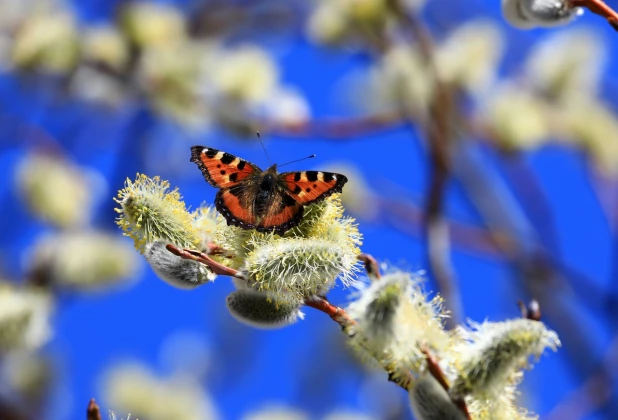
pixel 262 200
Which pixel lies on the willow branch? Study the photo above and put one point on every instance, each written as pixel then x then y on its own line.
pixel 433 366
pixel 439 132
pixel 93 412
pixel 371 266
pixel 598 7
pixel 200 257
pixel 335 128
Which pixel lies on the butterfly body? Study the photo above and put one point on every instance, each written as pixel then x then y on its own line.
pixel 262 200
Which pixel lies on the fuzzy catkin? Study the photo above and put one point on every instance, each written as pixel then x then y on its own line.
pixel 178 272
pixel 261 310
pixel 148 212
pixel 430 401
pixel 495 352
pixel 305 261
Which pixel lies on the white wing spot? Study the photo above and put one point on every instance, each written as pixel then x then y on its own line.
pixel 335 177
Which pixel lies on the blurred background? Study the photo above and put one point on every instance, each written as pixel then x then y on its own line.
pixel 499 182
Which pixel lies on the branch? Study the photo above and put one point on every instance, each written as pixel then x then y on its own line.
pixel 433 366
pixel 531 311
pixel 439 131
pixel 598 7
pixel 93 412
pixel 200 257
pixel 371 266
pixel 408 218
pixel 339 315
pixel 335 128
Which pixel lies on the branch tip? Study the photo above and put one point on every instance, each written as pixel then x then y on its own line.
pixel 93 412
pixel 371 266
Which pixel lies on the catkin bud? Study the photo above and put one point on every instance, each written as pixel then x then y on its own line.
pixel 527 14
pixel 304 267
pixel 55 190
pixel 24 318
pixel 134 389
pixel 305 261
pixel 180 273
pixel 262 310
pixel 47 42
pixel 430 401
pixel 395 317
pixel 496 352
pixel 83 260
pixel 376 309
pixel 153 25
pixel 149 212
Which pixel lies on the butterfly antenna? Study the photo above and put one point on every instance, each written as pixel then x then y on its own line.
pixel 265 152
pixel 297 160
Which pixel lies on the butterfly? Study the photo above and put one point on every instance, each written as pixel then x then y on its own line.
pixel 266 201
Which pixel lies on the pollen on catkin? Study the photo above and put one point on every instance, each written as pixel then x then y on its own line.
pixel 376 309
pixel 494 352
pixel 205 220
pixel 395 317
pixel 149 212
pixel 306 260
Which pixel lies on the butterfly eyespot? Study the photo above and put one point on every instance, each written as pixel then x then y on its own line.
pixel 222 172
pixel 308 189
pixel 218 166
pixel 315 186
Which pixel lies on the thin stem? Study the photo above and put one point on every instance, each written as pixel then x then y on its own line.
pixel 598 7
pixel 439 132
pixel 401 376
pixel 371 266
pixel 200 257
pixel 335 128
pixel 433 366
pixel 93 412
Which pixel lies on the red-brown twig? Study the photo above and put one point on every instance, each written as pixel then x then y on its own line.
pixel 338 314
pixel 371 266
pixel 433 366
pixel 408 219
pixel 335 128
pixel 598 7
pixel 200 257
pixel 401 376
pixel 531 311
pixel 93 412
pixel 214 249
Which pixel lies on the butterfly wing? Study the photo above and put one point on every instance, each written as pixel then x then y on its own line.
pixel 222 169
pixel 308 187
pixel 277 211
pixel 282 213
pixel 235 204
